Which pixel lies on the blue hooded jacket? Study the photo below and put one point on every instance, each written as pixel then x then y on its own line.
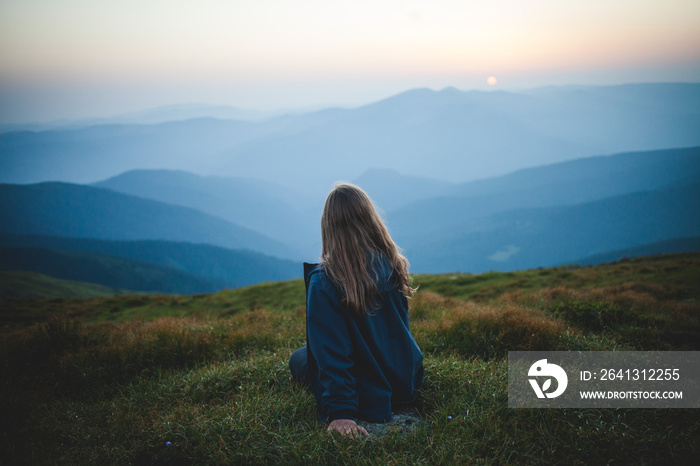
pixel 359 364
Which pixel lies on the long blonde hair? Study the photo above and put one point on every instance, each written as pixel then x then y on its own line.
pixel 353 233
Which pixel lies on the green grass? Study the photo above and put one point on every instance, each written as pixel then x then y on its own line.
pixel 280 296
pixel 203 379
pixel 677 275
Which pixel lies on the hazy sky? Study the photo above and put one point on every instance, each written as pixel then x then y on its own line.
pixel 76 58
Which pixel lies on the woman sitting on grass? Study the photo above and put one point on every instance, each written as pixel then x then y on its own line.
pixel 360 357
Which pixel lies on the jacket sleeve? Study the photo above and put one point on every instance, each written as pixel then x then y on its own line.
pixel 331 345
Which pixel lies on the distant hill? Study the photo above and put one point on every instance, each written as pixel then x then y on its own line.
pixel 257 205
pixel 102 269
pixel 68 210
pixel 19 284
pixel 163 114
pixel 85 155
pixel 566 183
pixel 595 177
pixel 673 246
pixel 527 238
pixel 390 190
pixel 182 112
pixel 217 267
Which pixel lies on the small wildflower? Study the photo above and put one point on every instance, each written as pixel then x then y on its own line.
pixel 449 417
pixel 167 444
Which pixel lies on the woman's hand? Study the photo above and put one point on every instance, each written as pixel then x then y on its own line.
pixel 347 427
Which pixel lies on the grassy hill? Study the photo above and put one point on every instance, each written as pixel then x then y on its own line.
pixel 203 379
pixel 75 211
pixel 106 270
pixel 183 267
pixel 23 284
pixel 673 246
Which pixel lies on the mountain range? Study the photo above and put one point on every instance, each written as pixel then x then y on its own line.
pixel 447 135
pixel 461 136
pixel 199 205
pixel 533 217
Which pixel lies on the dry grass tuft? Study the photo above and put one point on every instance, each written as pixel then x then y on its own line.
pixel 642 315
pixel 484 331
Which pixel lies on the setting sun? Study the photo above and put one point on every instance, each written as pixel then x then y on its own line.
pixel 491 81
